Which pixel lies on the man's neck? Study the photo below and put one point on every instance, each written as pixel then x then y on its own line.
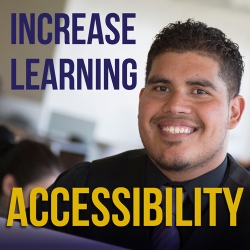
pixel 191 173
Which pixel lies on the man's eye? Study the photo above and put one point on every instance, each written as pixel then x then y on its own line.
pixel 162 88
pixel 200 92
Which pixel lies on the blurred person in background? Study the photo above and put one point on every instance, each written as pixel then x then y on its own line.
pixel 7 140
pixel 27 164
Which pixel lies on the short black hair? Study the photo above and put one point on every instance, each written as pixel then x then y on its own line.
pixel 28 161
pixel 194 36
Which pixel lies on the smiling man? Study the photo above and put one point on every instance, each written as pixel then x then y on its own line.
pixel 190 102
pixel 179 110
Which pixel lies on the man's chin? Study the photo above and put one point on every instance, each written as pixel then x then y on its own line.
pixel 172 143
pixel 176 164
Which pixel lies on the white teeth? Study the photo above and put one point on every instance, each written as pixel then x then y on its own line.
pixel 177 130
pixel 171 130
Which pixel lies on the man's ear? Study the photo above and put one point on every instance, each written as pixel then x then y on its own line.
pixel 237 106
pixel 9 182
pixel 141 92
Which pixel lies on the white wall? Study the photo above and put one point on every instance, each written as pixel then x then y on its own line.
pixel 115 111
pixel 14 106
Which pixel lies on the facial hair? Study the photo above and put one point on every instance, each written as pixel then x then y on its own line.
pixel 179 163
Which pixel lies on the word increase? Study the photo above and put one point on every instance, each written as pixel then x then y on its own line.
pixel 70 29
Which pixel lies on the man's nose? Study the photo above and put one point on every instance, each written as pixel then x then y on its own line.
pixel 178 102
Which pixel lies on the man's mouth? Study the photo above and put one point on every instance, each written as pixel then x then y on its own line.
pixel 177 129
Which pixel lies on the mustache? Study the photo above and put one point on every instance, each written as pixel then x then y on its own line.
pixel 157 119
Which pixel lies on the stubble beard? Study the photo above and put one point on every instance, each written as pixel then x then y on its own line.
pixel 179 163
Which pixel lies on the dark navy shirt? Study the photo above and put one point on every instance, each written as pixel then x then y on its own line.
pixel 78 177
pixel 214 178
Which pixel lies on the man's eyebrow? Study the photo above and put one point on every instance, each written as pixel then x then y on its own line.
pixel 197 82
pixel 157 79
pixel 202 83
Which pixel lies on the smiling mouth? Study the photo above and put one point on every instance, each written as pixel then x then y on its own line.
pixel 177 129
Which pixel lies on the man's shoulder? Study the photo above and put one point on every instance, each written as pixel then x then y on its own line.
pixel 78 175
pixel 238 174
pixel 125 169
pixel 124 156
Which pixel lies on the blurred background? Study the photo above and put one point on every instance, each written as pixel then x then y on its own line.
pixel 88 124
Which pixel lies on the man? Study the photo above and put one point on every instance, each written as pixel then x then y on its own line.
pixel 190 102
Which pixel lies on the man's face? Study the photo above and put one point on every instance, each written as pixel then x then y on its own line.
pixel 184 113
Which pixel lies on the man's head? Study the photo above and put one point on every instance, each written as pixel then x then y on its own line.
pixel 27 164
pixel 190 100
pixel 198 37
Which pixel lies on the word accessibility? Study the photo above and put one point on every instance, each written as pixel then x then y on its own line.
pixel 142 203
